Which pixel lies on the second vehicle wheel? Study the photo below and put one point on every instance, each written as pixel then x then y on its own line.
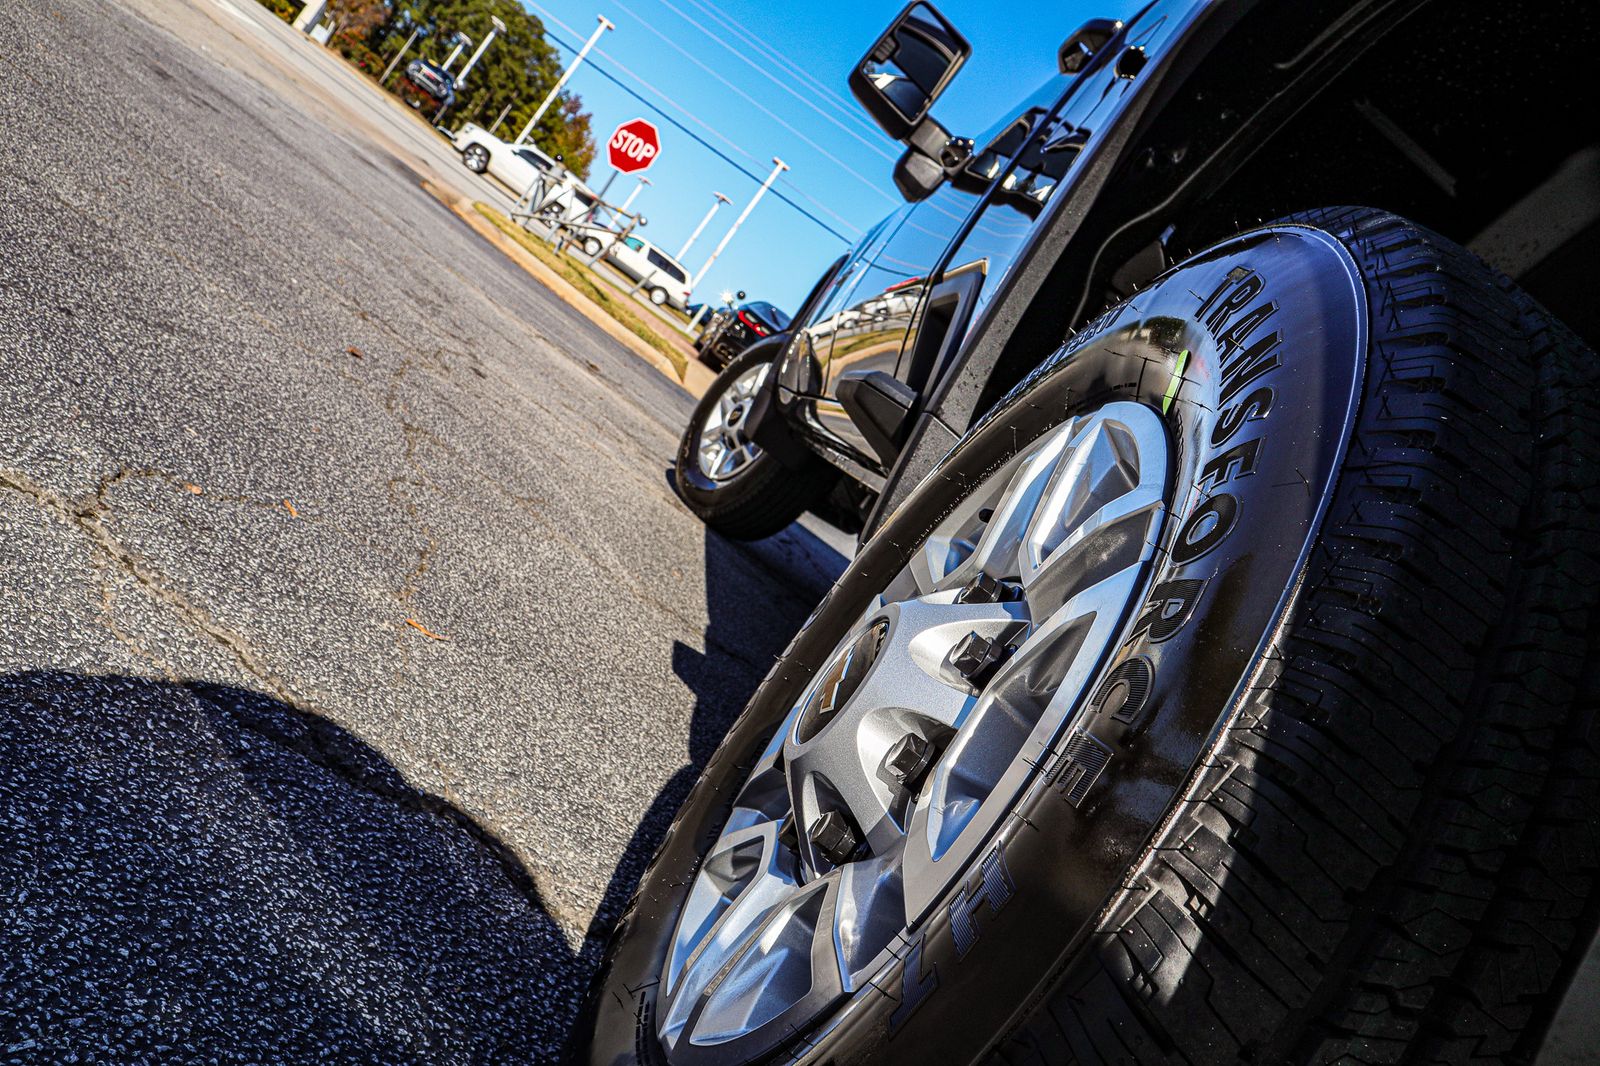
pixel 658 296
pixel 591 246
pixel 727 479
pixel 476 158
pixel 1223 696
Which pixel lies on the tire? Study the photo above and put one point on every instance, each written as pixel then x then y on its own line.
pixel 475 158
pixel 764 496
pixel 1331 789
pixel 658 296
pixel 591 246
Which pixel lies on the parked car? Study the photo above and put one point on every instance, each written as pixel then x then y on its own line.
pixel 733 329
pixel 664 278
pixel 518 166
pixel 433 80
pixel 1214 679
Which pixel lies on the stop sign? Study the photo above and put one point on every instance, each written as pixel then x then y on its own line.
pixel 634 146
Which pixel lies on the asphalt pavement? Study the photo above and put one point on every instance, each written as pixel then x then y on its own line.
pixel 357 649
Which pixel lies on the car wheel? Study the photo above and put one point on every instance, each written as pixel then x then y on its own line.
pixel 658 296
pixel 1220 697
pixel 728 480
pixel 591 246
pixel 476 158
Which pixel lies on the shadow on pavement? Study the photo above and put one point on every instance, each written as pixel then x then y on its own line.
pixel 201 873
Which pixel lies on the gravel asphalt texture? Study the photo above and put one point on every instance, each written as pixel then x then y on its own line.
pixel 356 648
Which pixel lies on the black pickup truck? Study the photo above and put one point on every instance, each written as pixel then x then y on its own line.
pixel 1215 678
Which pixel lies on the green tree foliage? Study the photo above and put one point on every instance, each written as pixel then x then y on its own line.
pixel 518 69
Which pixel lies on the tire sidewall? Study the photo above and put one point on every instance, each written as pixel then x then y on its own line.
pixel 692 482
pixel 1255 453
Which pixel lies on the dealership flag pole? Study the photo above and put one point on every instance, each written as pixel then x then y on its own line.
pixel 718 202
pixel 778 167
pixel 605 24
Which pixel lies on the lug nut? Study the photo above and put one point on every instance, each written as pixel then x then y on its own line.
pixel 907 761
pixel 986 588
pixel 787 836
pixel 973 661
pixel 834 838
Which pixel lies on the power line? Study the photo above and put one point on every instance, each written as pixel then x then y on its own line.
pixel 871 145
pixel 783 61
pixel 835 160
pixel 713 149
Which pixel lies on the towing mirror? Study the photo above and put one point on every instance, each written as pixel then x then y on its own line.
pixel 909 66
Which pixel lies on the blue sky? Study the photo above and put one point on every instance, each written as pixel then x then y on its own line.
pixel 840 163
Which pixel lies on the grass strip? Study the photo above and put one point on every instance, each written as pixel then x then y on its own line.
pixel 585 282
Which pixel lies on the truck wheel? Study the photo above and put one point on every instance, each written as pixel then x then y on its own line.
pixel 591 246
pixel 1226 695
pixel 476 158
pixel 658 296
pixel 728 480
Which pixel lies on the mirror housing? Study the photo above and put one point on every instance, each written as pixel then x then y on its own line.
pixel 1076 51
pixel 907 69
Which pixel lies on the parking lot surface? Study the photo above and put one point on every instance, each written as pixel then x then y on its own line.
pixel 357 649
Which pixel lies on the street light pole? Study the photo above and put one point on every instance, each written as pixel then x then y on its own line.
pixel 399 55
pixel 643 181
pixel 717 203
pixel 497 27
pixel 778 167
pixel 605 24
pixel 462 40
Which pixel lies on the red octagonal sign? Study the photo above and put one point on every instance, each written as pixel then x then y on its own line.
pixel 634 146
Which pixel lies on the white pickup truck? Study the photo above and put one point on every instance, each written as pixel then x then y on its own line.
pixel 519 166
pixel 516 165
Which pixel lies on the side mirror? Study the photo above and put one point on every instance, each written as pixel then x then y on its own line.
pixel 898 80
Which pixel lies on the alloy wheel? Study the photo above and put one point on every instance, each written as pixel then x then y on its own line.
pixel 724 449
pixel 908 748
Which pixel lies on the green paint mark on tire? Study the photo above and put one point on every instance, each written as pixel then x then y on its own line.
pixel 1177 379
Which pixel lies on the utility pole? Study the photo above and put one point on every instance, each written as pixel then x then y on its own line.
pixel 778 167
pixel 400 54
pixel 504 111
pixel 497 27
pixel 715 204
pixel 605 24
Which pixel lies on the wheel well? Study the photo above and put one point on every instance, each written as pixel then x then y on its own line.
pixel 1469 117
pixel 1466 118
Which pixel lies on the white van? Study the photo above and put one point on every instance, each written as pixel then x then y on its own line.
pixel 663 276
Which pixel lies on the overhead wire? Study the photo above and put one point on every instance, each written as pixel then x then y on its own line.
pixel 844 107
pixel 713 149
pixel 876 187
pixel 873 145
